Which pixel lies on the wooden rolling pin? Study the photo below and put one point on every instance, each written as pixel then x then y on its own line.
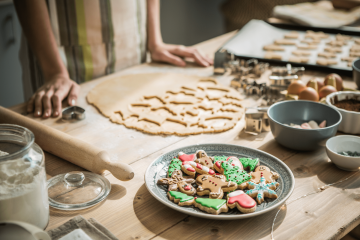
pixel 69 148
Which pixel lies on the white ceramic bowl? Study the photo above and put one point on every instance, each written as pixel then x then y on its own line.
pixel 340 144
pixel 350 120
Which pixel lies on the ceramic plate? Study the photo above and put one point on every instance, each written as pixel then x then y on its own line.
pixel 158 169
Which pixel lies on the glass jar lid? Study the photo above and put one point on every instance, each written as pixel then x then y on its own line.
pixel 77 190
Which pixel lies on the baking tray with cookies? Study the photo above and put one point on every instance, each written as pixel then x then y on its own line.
pixel 219 181
pixel 323 49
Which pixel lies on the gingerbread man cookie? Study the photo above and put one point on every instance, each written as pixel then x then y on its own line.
pixel 204 159
pixel 214 186
pixel 177 182
pixel 264 171
pixel 191 168
pixel 181 198
pixel 213 206
pixel 243 202
pixel 262 190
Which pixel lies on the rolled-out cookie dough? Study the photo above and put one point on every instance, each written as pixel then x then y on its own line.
pixel 160 103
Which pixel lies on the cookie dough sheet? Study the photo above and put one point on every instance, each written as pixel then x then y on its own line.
pixel 158 103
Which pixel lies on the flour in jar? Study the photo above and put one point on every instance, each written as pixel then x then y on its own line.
pixel 23 191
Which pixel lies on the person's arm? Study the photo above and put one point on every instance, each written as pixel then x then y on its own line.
pixel 35 21
pixel 167 52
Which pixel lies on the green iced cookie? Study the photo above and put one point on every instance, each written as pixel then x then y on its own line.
pixel 175 164
pixel 219 158
pixel 234 173
pixel 249 163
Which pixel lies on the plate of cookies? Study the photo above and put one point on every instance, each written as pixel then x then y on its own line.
pixel 220 181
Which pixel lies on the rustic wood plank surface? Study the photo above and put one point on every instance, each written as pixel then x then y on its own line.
pixel 130 212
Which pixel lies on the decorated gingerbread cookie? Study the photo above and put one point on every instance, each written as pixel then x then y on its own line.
pixel 234 161
pixel 214 186
pixel 186 158
pixel 242 201
pixel 219 158
pixel 175 164
pixel 264 171
pixel 249 163
pixel 181 198
pixel 213 206
pixel 233 173
pixel 191 168
pixel 262 190
pixel 177 182
pixel 186 188
pixel 204 159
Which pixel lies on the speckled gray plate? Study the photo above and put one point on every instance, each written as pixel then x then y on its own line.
pixel 158 169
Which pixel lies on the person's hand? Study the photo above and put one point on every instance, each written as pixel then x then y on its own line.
pixel 174 53
pixel 48 97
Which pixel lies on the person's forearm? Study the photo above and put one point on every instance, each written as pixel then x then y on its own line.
pixel 34 18
pixel 153 23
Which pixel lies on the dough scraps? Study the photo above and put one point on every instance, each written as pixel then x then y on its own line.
pixel 159 103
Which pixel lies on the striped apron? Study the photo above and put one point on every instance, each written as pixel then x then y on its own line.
pixel 94 38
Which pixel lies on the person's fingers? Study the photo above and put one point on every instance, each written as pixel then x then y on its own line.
pixel 30 104
pixel 59 95
pixel 209 60
pixel 170 58
pixel 56 102
pixel 73 94
pixel 38 103
pixel 46 102
pixel 191 52
pixel 199 59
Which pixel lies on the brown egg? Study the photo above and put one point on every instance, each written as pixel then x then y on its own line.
pixel 296 87
pixel 320 83
pixel 326 90
pixel 309 94
pixel 339 81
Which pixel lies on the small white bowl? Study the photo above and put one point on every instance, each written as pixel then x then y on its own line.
pixel 344 143
pixel 350 120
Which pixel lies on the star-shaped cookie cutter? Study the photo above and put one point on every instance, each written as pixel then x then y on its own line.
pixel 73 112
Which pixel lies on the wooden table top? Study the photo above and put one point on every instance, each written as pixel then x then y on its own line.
pixel 130 212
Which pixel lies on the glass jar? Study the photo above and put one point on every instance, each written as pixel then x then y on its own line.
pixel 23 190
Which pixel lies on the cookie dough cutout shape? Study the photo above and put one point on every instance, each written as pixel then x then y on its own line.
pixel 243 202
pixel 213 206
pixel 177 182
pixel 181 198
pixel 214 186
pixel 129 103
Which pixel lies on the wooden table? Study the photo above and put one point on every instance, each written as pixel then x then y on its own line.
pixel 130 212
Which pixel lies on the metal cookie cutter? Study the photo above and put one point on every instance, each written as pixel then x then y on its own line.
pixel 73 112
pixel 257 122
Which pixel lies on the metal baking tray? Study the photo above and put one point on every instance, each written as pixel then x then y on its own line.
pixel 249 41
